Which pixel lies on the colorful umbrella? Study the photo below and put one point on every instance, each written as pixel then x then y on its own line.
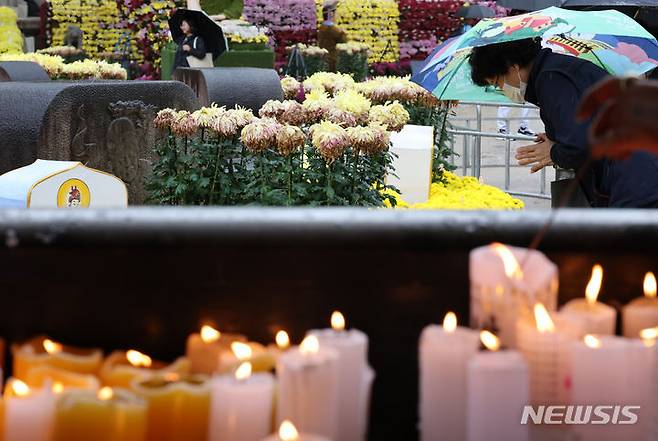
pixel 626 48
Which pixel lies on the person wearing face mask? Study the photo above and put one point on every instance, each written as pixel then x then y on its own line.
pixel 556 83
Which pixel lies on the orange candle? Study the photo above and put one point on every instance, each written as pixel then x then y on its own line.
pixel 121 368
pixel 204 349
pixel 260 357
pixel 42 351
pixel 178 407
pixel 106 415
pixel 38 376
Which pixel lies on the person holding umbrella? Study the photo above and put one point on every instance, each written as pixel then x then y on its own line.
pixel 556 83
pixel 189 45
pixel 200 39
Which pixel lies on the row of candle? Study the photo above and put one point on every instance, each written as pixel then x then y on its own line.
pixel 221 391
pixel 551 357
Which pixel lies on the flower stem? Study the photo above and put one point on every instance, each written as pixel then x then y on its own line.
pixel 290 179
pixel 214 179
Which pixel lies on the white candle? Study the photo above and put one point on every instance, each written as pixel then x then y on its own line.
pixel 444 353
pixel 241 406
pixel 354 376
pixel 288 432
pixel 596 317
pixel 501 290
pixel 497 391
pixel 641 313
pixel 545 348
pixel 308 388
pixel 612 371
pixel 204 349
pixel 29 413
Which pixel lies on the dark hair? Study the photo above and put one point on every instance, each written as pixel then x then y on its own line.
pixel 191 24
pixel 495 59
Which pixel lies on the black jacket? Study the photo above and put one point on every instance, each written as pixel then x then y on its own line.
pixel 198 49
pixel 556 84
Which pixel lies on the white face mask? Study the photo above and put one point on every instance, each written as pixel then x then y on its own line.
pixel 515 94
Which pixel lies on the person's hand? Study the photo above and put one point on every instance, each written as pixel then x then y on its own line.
pixel 624 111
pixel 187 48
pixel 538 155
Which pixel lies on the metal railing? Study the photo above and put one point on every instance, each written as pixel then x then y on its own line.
pixel 470 130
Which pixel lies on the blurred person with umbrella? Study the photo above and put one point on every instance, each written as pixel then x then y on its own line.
pixel 200 39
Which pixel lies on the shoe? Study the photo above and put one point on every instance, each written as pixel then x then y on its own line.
pixel 502 131
pixel 526 131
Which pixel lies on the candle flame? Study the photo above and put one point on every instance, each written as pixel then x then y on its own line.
pixel 649 334
pixel 337 321
pixel 171 377
pixel 650 285
pixel 105 394
pixel 51 347
pixel 512 268
pixel 594 285
pixel 288 431
pixel 138 359
pixel 282 340
pixel 58 387
pixel 543 319
pixel 592 342
pixel 450 322
pixel 490 341
pixel 243 371
pixel 310 345
pixel 241 350
pixel 19 388
pixel 209 334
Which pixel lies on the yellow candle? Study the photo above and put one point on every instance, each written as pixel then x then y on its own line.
pixel 42 351
pixel 2 419
pixel 204 349
pixel 106 415
pixel 38 376
pixel 121 368
pixel 262 359
pixel 178 407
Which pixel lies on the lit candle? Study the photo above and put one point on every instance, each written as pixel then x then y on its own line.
pixel 204 349
pixel 596 317
pixel 38 376
pixel 545 348
pixel 261 359
pixel 612 371
pixel 178 406
pixel 106 415
pixel 501 290
pixel 308 387
pixel 497 391
pixel 42 351
pixel 120 368
pixel 288 432
pixel 354 376
pixel 444 354
pixel 29 413
pixel 641 313
pixel 241 405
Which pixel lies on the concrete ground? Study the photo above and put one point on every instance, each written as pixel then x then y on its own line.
pixel 493 154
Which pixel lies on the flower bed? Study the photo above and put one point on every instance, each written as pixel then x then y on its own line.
pixel 57 69
pixel 374 23
pixel 288 21
pixel 424 24
pixel 146 24
pixel 467 193
pixel 96 19
pixel 11 39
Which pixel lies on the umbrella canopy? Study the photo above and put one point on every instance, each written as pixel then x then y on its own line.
pixel 534 5
pixel 476 11
pixel 206 28
pixel 626 48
